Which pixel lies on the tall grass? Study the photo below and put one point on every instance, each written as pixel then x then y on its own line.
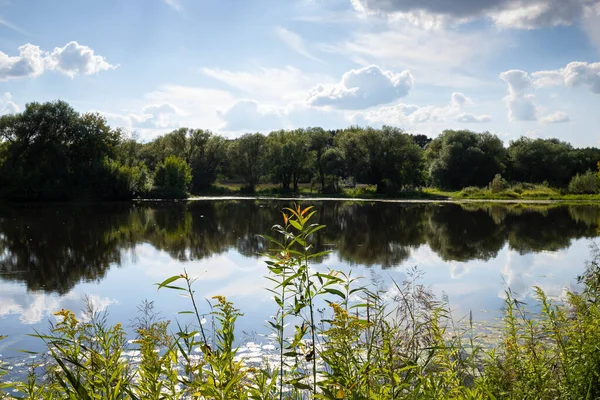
pixel 369 343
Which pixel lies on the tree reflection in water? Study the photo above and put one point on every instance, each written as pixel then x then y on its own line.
pixel 54 247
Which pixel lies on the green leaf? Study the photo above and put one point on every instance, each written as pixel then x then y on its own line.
pixel 167 281
pixel 335 292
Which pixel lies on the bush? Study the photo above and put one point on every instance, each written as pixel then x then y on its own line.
pixel 174 173
pixel 470 191
pixel 588 183
pixel 498 184
pixel 123 182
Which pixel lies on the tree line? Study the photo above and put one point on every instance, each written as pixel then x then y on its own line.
pixel 51 152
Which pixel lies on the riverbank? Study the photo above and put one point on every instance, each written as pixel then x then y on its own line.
pixel 534 194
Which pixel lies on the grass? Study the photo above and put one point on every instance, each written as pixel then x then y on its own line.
pixel 516 192
pixel 370 343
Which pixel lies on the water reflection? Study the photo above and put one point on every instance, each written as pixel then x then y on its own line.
pixel 53 248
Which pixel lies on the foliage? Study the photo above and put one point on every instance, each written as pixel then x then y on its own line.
pixel 498 184
pixel 387 158
pixel 50 151
pixel 458 159
pixel 588 183
pixel 122 182
pixel 287 156
pixel 551 160
pixel 173 173
pixel 247 158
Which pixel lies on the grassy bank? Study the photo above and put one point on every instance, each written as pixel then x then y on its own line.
pixel 518 192
pixel 371 342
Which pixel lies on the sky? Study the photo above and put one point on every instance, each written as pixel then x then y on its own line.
pixel 511 67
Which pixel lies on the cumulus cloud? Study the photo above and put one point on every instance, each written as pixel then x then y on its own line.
pixel 7 106
pixel 363 88
pixel 157 116
pixel 577 73
pixel 467 118
pixel 29 63
pixel 524 14
pixel 556 118
pixel 459 100
pixel 403 114
pixel 246 114
pixel 75 59
pixel 169 107
pixel 72 59
pixel 521 105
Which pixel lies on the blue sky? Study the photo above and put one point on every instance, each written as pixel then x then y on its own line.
pixel 526 67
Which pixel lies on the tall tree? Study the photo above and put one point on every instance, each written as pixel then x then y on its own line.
pixel 53 152
pixel 246 157
pixel 458 159
pixel 539 160
pixel 320 142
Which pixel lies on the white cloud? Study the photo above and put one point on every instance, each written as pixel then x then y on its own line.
pixel 7 106
pixel 467 118
pixel 248 114
pixel 287 83
pixel 72 59
pixel 158 116
pixel 172 106
pixel 75 59
pixel 577 73
pixel 518 81
pixel 163 115
pixel 29 63
pixel 556 118
pixel 459 99
pixel 523 14
pixel 410 114
pixel 363 88
pixel 295 42
pixel 521 105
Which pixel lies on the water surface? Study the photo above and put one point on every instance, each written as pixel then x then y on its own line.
pixel 53 255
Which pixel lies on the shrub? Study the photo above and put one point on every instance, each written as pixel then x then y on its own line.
pixel 498 184
pixel 174 173
pixel 470 191
pixel 588 183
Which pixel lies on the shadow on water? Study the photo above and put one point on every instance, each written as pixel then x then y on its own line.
pixel 52 248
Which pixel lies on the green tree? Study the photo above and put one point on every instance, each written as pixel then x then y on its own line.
pixel 287 156
pixel 458 159
pixel 388 158
pixel 542 160
pixel 52 152
pixel 208 155
pixel 246 158
pixel 173 174
pixel 320 142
